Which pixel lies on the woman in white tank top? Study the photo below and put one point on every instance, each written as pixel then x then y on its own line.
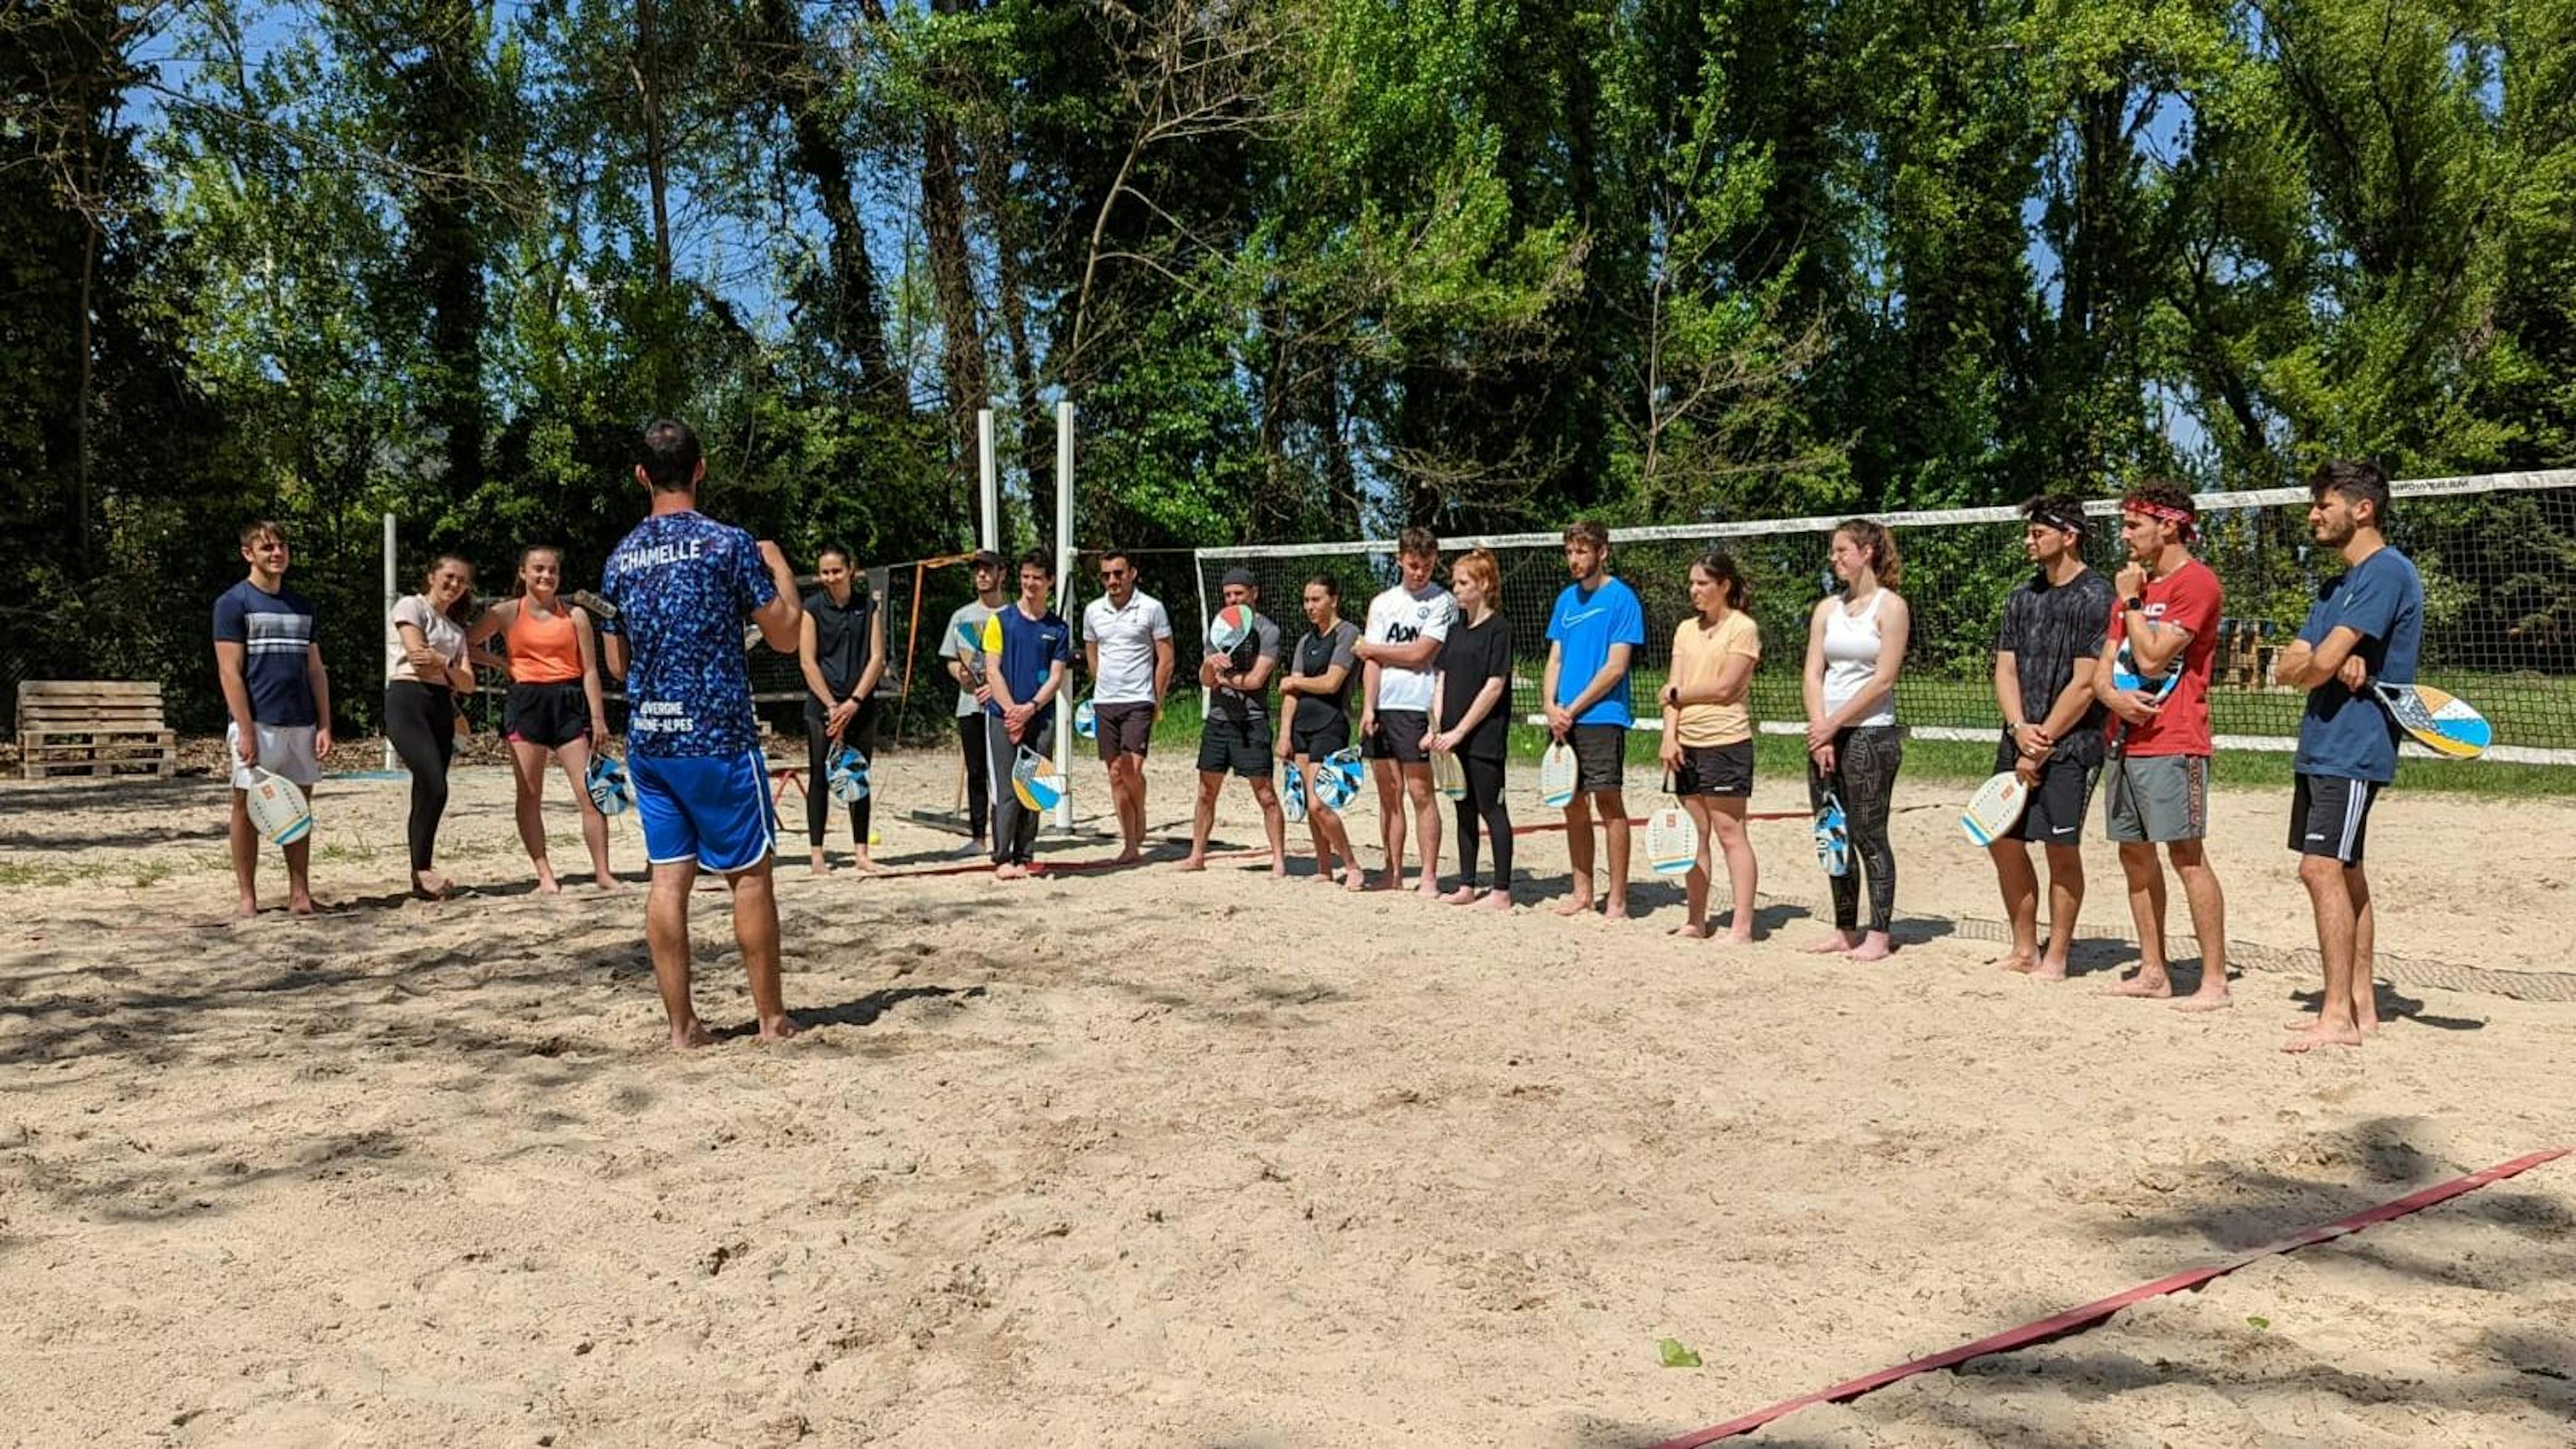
pixel 1855 649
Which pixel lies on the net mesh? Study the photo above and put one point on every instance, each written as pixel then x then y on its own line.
pixel 2497 554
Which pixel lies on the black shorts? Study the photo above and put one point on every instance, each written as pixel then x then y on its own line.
pixel 1241 746
pixel 1319 741
pixel 553 715
pixel 1399 737
pixel 2330 816
pixel 1600 757
pixel 1124 729
pixel 2055 814
pixel 1715 770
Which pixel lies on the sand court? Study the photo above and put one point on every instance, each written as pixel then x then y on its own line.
pixel 1139 1157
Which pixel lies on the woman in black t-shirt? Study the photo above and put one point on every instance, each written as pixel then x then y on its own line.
pixel 1470 701
pixel 841 650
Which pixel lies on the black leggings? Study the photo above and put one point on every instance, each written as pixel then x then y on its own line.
pixel 979 773
pixel 1484 801
pixel 1866 758
pixel 819 750
pixel 420 719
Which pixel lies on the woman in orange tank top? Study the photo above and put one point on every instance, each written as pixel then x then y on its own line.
pixel 556 710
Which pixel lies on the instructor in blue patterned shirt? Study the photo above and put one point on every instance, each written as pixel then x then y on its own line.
pixel 682 584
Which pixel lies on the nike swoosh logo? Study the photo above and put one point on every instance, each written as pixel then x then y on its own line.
pixel 2069 830
pixel 2316 837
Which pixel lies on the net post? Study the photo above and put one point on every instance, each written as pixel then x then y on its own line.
pixel 392 542
pixel 991 483
pixel 1064 591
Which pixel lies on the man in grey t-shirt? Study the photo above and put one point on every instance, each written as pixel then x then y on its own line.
pixel 1237 735
pixel 966 665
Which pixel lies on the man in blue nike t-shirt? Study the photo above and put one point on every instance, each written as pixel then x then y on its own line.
pixel 681 585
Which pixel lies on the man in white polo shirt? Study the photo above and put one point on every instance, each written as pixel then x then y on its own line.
pixel 1405 627
pixel 1127 645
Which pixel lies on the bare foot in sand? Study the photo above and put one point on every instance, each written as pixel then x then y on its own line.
pixel 1278 867
pixel 301 904
pixel 1429 890
pixel 819 862
pixel 780 1028
pixel 2048 970
pixel 1737 938
pixel 1355 879
pixel 1392 880
pixel 2154 985
pixel 1010 872
pixel 1691 931
pixel 2013 961
pixel 2206 1000
pixel 689 1036
pixel 547 885
pixel 1128 856
pixel 246 908
pixel 1464 895
pixel 1497 901
pixel 1575 906
pixel 604 881
pixel 1195 862
pixel 429 885
pixel 2320 1035
pixel 1873 947
pixel 1835 944
pixel 1617 910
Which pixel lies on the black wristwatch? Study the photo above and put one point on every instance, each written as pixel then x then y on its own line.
pixel 2134 602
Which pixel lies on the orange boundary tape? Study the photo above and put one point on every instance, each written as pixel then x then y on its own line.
pixel 2101 1308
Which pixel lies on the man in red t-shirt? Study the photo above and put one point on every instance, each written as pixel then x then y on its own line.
pixel 2156 784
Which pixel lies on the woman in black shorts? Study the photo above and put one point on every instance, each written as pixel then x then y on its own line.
pixel 1708 736
pixel 1315 720
pixel 555 709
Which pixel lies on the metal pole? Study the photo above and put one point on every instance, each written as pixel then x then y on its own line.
pixel 992 482
pixel 391 543
pixel 1064 591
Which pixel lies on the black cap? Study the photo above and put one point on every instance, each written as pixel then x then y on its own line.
pixel 1241 575
pixel 985 558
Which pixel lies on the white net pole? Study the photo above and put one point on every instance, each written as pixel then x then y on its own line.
pixel 1064 591
pixel 990 478
pixel 392 543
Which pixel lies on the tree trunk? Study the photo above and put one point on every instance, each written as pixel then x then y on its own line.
pixel 854 320
pixel 952 278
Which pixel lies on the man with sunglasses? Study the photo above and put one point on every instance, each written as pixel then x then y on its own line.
pixel 1127 647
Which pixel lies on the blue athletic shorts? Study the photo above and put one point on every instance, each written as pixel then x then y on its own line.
pixel 713 809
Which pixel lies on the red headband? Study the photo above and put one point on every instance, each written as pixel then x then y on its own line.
pixel 2189 521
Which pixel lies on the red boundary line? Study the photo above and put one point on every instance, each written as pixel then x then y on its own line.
pixel 2099 1309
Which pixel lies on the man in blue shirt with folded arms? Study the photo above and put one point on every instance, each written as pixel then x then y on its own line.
pixel 1594 631
pixel 2366 626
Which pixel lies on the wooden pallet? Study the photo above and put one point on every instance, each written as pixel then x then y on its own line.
pixel 93 727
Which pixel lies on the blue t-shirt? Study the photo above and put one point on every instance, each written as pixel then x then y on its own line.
pixel 1030 647
pixel 2346 735
pixel 276 635
pixel 683 584
pixel 1587 625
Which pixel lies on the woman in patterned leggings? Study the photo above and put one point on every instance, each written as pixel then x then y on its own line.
pixel 1855 648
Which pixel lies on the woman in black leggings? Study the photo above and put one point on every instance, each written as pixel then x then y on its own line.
pixel 425 669
pixel 1468 700
pixel 1855 647
pixel 842 651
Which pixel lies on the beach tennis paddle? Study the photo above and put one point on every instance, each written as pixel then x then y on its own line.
pixel 1035 782
pixel 970 650
pixel 1994 809
pixel 1292 795
pixel 1231 626
pixel 2125 677
pixel 610 791
pixel 1556 776
pixel 1338 777
pixel 1672 841
pixel 277 809
pixel 2442 722
pixel 1086 721
pixel 599 608
pixel 1447 776
pixel 1833 837
pixel 847 776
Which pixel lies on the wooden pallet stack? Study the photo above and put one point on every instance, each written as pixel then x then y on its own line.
pixel 93 727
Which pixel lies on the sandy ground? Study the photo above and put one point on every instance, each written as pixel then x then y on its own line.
pixel 1144 1158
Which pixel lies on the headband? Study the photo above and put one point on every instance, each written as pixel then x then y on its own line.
pixel 2184 517
pixel 2070 520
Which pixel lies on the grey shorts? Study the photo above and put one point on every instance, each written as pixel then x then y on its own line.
pixel 1600 757
pixel 2156 799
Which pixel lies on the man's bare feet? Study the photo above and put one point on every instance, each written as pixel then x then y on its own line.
pixel 1355 879
pixel 547 885
pixel 604 880
pixel 1873 947
pixel 2014 961
pixel 2154 985
pixel 689 1036
pixel 301 904
pixel 1278 867
pixel 1429 890
pixel 1007 871
pixel 1128 856
pixel 1617 910
pixel 1833 944
pixel 1738 938
pixel 2206 1000
pixel 818 862
pixel 1196 861
pixel 1575 906
pixel 2319 1034
pixel 780 1028
pixel 1496 900
pixel 2048 970
pixel 246 908
pixel 1692 930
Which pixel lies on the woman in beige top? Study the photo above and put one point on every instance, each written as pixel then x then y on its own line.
pixel 426 667
pixel 1708 736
